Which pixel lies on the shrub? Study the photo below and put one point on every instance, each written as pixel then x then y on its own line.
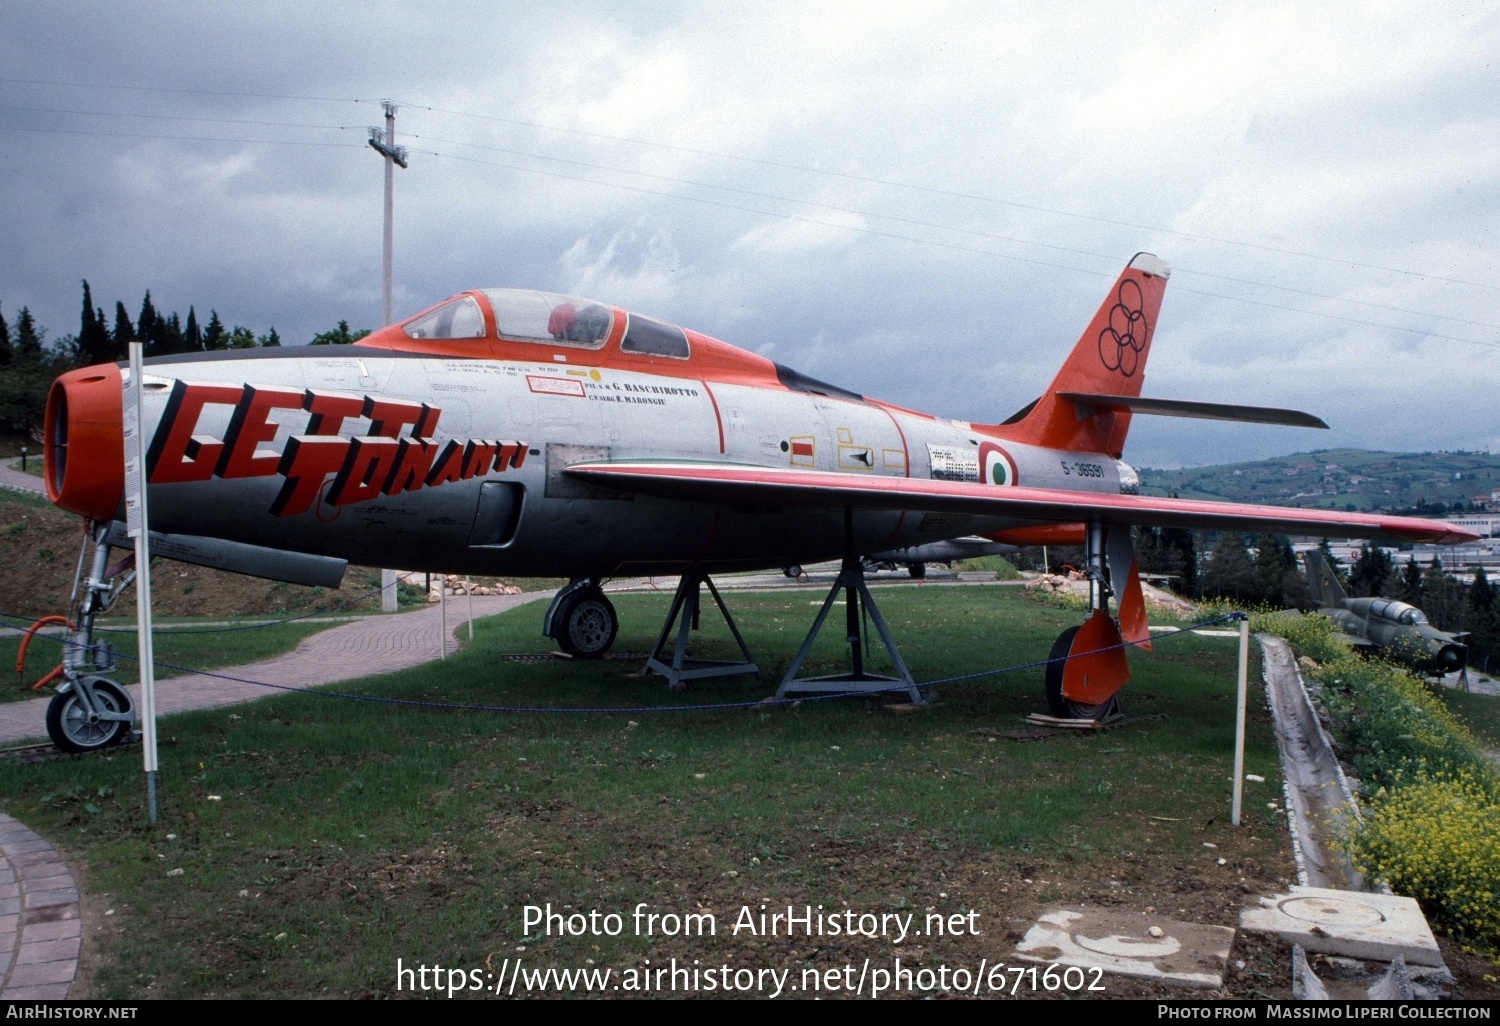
pixel 1438 840
pixel 1433 831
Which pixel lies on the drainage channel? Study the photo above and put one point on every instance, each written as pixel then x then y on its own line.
pixel 1320 804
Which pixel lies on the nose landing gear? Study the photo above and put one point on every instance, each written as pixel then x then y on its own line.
pixel 91 711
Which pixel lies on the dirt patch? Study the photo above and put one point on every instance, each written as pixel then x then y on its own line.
pixel 101 924
pixel 39 547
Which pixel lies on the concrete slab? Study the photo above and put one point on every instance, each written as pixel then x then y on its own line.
pixel 1355 924
pixel 1187 954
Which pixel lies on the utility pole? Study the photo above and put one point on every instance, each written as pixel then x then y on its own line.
pixel 384 143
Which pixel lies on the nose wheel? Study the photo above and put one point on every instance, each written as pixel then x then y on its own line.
pixel 74 728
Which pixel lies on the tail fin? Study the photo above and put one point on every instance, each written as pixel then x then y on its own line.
pixel 1323 581
pixel 1109 359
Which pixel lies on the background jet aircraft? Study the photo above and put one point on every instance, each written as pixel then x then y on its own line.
pixel 1396 628
pixel 523 433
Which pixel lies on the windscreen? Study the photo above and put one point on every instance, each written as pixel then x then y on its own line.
pixel 459 318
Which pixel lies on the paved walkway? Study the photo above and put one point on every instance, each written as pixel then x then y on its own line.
pixel 39 927
pixel 16 479
pixel 368 646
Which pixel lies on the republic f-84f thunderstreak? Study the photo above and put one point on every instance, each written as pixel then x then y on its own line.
pixel 519 433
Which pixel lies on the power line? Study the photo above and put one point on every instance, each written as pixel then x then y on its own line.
pixel 770 196
pixel 170 117
pixel 850 176
pixel 195 92
pixel 949 228
pixel 954 194
pixel 180 138
pixel 954 246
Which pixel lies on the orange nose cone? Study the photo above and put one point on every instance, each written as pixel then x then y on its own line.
pixel 83 451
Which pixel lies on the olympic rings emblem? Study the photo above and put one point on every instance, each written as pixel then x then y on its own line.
pixel 1124 336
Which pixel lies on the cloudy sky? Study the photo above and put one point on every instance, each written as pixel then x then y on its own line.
pixel 922 202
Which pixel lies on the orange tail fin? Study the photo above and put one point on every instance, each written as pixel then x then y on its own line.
pixel 1109 359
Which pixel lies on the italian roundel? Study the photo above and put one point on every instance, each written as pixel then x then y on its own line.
pixel 995 465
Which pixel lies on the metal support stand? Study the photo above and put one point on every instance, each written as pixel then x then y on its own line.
pixel 683 669
pixel 858 601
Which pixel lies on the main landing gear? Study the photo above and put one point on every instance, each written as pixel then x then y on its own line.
pixel 1087 663
pixel 581 620
pixel 91 711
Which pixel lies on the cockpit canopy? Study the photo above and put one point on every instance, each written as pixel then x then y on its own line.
pixel 1390 609
pixel 526 315
pixel 529 316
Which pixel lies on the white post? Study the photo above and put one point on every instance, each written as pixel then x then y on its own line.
pixel 137 526
pixel 387 591
pixel 1239 722
pixel 469 591
pixel 443 616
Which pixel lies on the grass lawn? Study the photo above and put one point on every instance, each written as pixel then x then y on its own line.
pixel 180 647
pixel 321 839
pixel 1480 712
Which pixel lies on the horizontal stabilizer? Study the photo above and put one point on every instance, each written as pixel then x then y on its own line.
pixel 240 558
pixel 1090 403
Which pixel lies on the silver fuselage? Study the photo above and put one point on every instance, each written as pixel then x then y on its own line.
pixel 556 414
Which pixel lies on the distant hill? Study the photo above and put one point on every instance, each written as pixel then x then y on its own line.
pixel 1339 479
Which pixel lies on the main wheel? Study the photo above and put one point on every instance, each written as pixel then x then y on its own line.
pixel 1064 708
pixel 1056 661
pixel 918 571
pixel 589 625
pixel 71 727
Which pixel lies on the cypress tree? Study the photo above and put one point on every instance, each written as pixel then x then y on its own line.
pixel 1411 582
pixel 94 344
pixel 213 335
pixel 124 330
pixel 1481 593
pixel 1270 570
pixel 271 338
pixel 171 334
pixel 28 345
pixel 1229 573
pixel 145 324
pixel 192 335
pixel 1186 543
pixel 5 353
pixel 1441 598
pixel 1370 571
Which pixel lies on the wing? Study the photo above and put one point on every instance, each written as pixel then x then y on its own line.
pixel 733 482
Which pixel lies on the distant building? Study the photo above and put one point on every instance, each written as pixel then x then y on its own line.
pixel 1486 526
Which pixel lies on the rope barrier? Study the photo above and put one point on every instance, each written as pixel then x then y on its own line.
pixel 641 709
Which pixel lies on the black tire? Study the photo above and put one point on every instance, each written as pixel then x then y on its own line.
pixel 589 626
pixel 1057 660
pixel 794 571
pixel 918 571
pixel 68 726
